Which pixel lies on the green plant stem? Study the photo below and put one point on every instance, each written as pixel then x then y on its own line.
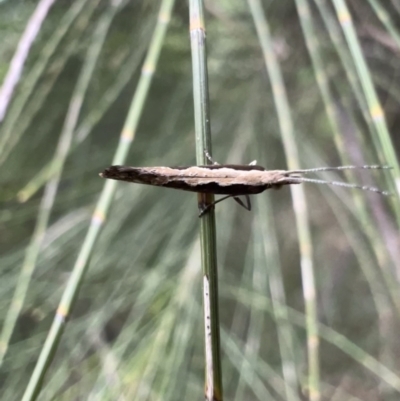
pixel 21 113
pixel 86 126
pixel 47 202
pixel 103 205
pixel 213 385
pixel 331 336
pixel 20 56
pixel 383 141
pixel 298 197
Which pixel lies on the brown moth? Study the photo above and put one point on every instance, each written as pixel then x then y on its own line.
pixel 231 180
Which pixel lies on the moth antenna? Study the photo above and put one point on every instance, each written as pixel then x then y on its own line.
pixel 340 168
pixel 341 184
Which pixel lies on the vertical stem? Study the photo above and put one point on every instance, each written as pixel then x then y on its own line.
pixel 103 205
pixel 213 387
pixel 298 197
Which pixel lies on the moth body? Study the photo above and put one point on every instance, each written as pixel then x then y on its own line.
pixel 216 179
pixel 230 180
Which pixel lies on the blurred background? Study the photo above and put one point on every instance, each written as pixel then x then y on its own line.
pixel 286 88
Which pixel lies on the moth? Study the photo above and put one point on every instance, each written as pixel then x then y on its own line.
pixel 231 180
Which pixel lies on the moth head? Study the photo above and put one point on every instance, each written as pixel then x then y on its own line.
pixel 121 173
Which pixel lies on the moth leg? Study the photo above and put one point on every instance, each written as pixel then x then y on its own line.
pixel 247 206
pixel 204 210
pixel 209 158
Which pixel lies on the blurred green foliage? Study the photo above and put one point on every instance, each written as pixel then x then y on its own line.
pixel 136 328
